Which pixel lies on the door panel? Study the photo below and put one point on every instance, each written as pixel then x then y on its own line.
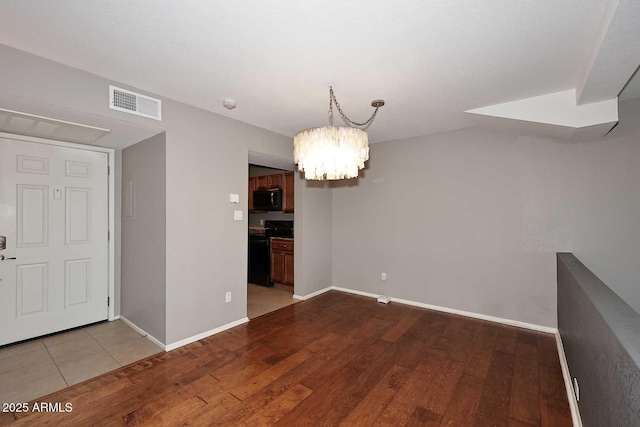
pixel 78 281
pixel 33 215
pixel 32 289
pixel 54 213
pixel 78 216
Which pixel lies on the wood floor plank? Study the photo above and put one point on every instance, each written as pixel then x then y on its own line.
pixel 265 396
pixel 368 410
pixel 552 384
pixel 437 397
pixel 462 347
pixel 263 379
pixel 526 336
pixel 213 412
pixel 525 390
pixel 493 409
pixel 413 351
pixel 423 417
pixel 462 408
pixel 517 423
pixel 364 371
pixel 548 351
pixel 527 350
pixel 279 407
pixel 404 403
pixel 555 413
pixel 174 415
pixel 398 330
pixel 506 344
pixel 336 359
pixel 482 351
pixel 165 402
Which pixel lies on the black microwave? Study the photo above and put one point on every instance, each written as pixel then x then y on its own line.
pixel 267 199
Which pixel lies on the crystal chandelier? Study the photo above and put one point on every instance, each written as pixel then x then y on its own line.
pixel 334 152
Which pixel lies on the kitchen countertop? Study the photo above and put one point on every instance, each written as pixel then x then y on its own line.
pixel 283 238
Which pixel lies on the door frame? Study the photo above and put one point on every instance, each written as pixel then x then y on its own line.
pixel 111 201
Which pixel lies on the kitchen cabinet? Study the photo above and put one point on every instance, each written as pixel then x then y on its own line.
pixel 274 181
pixel 282 261
pixel 288 191
pixel 278 180
pixel 269 181
pixel 252 187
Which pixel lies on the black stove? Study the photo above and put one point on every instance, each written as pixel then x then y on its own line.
pixel 259 269
pixel 278 228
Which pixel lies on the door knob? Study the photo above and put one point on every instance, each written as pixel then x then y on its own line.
pixel 4 258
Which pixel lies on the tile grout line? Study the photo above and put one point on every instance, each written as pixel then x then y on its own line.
pixel 55 363
pixel 131 346
pixel 105 350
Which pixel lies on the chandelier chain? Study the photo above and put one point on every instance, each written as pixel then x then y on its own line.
pixel 348 121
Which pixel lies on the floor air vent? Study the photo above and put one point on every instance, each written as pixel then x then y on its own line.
pixel 134 103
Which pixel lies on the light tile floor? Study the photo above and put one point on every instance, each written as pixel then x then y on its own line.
pixel 262 300
pixel 36 368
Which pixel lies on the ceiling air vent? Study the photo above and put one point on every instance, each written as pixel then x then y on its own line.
pixel 134 103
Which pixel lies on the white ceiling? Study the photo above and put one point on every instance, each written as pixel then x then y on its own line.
pixel 430 60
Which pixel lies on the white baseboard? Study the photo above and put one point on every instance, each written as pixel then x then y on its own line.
pixel 116 317
pixel 313 294
pixel 488 318
pixel 142 332
pixel 206 334
pixel 573 403
pixel 353 291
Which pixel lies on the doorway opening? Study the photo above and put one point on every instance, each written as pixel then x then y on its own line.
pixel 271 235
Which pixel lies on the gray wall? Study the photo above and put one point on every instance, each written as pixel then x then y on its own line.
pixel 461 219
pixel 206 249
pixel 472 219
pixel 144 242
pixel 601 337
pixel 607 205
pixel 314 238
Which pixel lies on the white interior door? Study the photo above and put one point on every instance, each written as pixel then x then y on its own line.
pixel 54 214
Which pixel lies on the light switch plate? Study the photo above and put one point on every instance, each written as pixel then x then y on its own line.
pixel 237 215
pixel 234 198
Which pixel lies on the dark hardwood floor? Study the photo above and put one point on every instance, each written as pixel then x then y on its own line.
pixel 337 359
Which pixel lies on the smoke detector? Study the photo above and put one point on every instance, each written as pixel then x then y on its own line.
pixel 229 104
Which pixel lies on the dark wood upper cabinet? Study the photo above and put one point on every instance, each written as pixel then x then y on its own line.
pixel 288 191
pixel 274 181
pixel 279 180
pixel 252 187
pixel 262 182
